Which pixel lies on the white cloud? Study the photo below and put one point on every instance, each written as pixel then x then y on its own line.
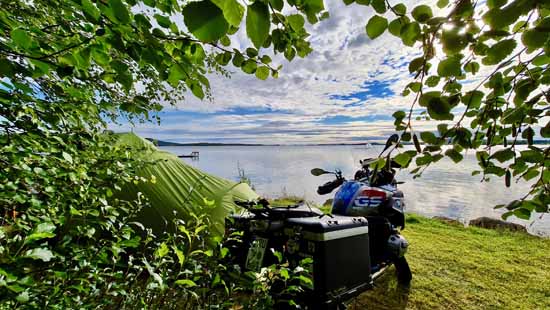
pixel 343 59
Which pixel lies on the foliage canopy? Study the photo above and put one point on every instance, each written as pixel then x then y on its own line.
pixel 66 67
pixel 502 48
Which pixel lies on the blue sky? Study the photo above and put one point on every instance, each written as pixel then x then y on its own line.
pixel 344 91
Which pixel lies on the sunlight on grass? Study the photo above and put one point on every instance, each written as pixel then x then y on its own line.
pixel 466 268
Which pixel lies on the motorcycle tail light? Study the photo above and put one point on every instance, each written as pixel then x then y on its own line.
pixel 373 193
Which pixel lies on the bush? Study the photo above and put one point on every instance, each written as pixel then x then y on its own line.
pixel 106 260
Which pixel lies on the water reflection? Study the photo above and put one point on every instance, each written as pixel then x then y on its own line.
pixel 444 189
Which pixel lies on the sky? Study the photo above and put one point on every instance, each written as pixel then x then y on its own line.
pixel 345 91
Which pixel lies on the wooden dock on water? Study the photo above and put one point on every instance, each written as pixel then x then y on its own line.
pixel 193 154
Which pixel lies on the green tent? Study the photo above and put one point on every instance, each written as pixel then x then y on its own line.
pixel 181 188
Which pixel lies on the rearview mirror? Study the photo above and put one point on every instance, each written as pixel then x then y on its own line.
pixel 318 171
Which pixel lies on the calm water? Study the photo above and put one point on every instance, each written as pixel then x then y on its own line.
pixel 444 189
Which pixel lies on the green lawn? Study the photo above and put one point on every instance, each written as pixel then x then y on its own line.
pixel 466 268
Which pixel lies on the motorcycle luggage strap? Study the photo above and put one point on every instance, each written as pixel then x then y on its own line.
pixel 335 234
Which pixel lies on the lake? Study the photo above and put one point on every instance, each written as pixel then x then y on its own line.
pixel 445 189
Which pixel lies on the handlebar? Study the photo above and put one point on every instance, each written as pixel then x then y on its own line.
pixel 329 186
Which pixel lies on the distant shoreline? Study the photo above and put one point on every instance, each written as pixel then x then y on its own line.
pixel 166 143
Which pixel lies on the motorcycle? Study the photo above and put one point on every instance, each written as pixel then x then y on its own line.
pixel 350 247
pixel 373 194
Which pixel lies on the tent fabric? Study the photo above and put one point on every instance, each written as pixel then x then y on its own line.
pixel 180 189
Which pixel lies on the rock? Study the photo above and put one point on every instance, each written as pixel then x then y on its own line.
pixel 491 223
pixel 447 220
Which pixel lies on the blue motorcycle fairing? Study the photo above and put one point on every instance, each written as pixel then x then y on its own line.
pixel 344 197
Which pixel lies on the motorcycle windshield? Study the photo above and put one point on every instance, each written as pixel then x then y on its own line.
pixel 344 197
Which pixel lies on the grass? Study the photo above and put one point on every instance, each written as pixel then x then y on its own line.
pixel 456 267
pixel 466 268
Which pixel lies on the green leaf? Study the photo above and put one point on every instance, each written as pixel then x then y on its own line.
pixel 225 41
pixel 530 174
pixel 90 9
pixel 449 67
pixel 67 157
pixel 277 4
pixel 422 13
pixel 416 64
pixel 502 18
pixel 21 38
pixel 442 3
pixel 177 74
pixel 121 11
pixel 399 115
pixel 534 38
pixel 296 21
pixel 262 72
pixel 400 9
pixel 277 254
pixel 124 77
pixel 42 231
pixel 472 67
pixel 163 21
pixel 415 86
pixel 402 159
pixel 251 52
pixel 532 156
pixel 238 59
pixel 522 213
pixel 395 26
pixel 197 90
pixel 472 99
pixel 424 160
pixel 453 42
pixel 410 33
pixel 257 23
pixel 162 250
pixel 541 60
pixel 265 59
pixel 186 282
pixel 100 56
pixel 512 116
pixel 205 20
pixel 233 11
pixel 499 51
pixel 432 81
pixel 223 58
pixel 284 274
pixel 376 26
pixel 454 155
pixel 305 280
pixel 379 6
pixel 43 254
pixel 439 108
pixel 23 297
pixel 428 137
pixel 249 66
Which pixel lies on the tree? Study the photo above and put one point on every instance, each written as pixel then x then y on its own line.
pixel 68 66
pixel 503 47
